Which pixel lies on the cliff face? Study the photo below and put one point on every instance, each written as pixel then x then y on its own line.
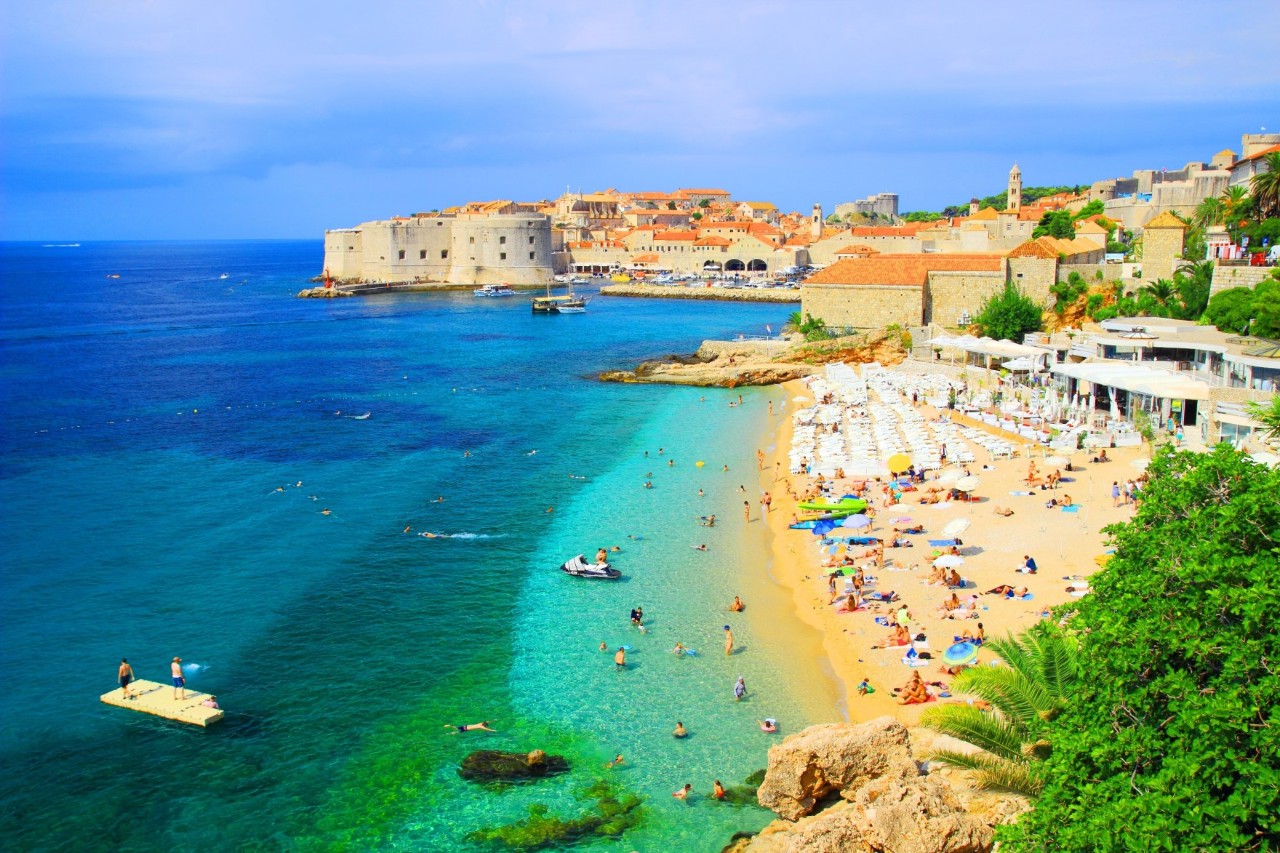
pixel 845 787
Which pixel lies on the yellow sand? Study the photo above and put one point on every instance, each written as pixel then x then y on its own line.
pixel 1063 544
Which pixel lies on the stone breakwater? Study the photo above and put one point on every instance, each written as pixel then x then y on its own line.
pixel 839 787
pixel 732 364
pixel 718 364
pixel 656 291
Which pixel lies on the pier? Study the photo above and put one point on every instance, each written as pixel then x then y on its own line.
pixel 151 697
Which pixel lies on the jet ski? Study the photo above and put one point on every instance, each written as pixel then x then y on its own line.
pixel 580 568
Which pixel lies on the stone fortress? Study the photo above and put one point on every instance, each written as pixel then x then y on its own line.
pixel 1135 200
pixel 470 247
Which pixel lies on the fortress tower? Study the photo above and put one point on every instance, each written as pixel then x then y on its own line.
pixel 973 206
pixel 1015 188
pixel 815 226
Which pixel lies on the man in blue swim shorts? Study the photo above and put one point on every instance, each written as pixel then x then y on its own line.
pixel 179 682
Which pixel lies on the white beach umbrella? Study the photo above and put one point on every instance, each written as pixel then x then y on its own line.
pixel 968 484
pixel 1056 461
pixel 949 561
pixel 949 477
pixel 856 521
pixel 955 528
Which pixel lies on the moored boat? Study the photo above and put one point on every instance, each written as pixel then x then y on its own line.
pixel 580 568
pixel 494 290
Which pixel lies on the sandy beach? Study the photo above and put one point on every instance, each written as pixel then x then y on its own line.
pixel 1063 544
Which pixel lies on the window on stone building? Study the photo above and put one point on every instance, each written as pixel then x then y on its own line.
pixel 531 256
pixel 502 240
pixel 444 253
pixel 422 254
pixel 530 241
pixel 471 240
pixel 402 254
pixel 502 256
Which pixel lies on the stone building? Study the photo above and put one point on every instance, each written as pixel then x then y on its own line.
pixel 883 205
pixel 1162 244
pixel 865 290
pixel 461 249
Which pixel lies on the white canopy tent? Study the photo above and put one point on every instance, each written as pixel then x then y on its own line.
pixel 1137 379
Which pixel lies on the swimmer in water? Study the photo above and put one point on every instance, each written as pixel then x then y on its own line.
pixel 440 499
pixel 531 452
pixel 702 547
pixel 701 493
pixel 680 731
pixel 482 726
pixel 604 647
pixel 683 793
pixel 429 534
pixel 406 527
pixel 708 520
pixel 325 511
pixel 616 761
pixel 737 606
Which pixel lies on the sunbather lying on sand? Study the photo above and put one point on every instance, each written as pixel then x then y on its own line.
pixel 1003 510
pixel 1007 591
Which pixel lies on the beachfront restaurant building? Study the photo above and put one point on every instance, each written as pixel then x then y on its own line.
pixel 1183 375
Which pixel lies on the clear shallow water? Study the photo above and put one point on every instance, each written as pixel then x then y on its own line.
pixel 148 422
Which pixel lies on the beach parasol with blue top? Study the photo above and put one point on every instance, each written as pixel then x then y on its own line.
pixel 960 654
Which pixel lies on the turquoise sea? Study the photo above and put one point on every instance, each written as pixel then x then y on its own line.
pixel 170 439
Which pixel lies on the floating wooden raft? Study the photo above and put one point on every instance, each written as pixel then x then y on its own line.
pixel 151 697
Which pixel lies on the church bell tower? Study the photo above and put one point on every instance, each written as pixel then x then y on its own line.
pixel 1015 188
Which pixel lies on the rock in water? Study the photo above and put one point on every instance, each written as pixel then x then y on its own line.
pixel 490 765
pixel 808 766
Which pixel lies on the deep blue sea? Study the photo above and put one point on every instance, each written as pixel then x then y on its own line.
pixel 171 439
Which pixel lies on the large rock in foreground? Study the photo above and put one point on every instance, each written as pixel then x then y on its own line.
pixel 882 802
pixel 807 767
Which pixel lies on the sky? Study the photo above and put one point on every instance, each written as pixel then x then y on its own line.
pixel 225 120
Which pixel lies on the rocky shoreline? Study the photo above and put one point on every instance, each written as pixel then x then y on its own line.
pixel 734 364
pixel 841 787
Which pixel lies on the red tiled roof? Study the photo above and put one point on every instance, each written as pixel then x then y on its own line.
pixel 676 235
pixel 711 241
pixel 1263 153
pixel 1033 249
pixel 905 270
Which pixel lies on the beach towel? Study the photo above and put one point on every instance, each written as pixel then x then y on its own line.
pixel 1026 597
pixel 1071 509
pixel 1022 494
pixel 915 663
pixel 944 543
pixel 881 596
pixel 882 621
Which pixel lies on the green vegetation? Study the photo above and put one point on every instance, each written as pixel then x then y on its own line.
pixel 1171 742
pixel 1037 682
pixel 813 328
pixel 1057 223
pixel 1068 292
pixel 923 216
pixel 1265 187
pixel 614 814
pixel 1269 416
pixel 1248 311
pixel 1009 314
pixel 704 204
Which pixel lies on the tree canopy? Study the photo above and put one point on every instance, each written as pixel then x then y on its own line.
pixel 1009 314
pixel 1241 309
pixel 1172 741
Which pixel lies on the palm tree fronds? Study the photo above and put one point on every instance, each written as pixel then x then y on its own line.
pixel 994 774
pixel 996 735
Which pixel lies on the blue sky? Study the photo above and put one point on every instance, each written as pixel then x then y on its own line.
pixel 171 120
